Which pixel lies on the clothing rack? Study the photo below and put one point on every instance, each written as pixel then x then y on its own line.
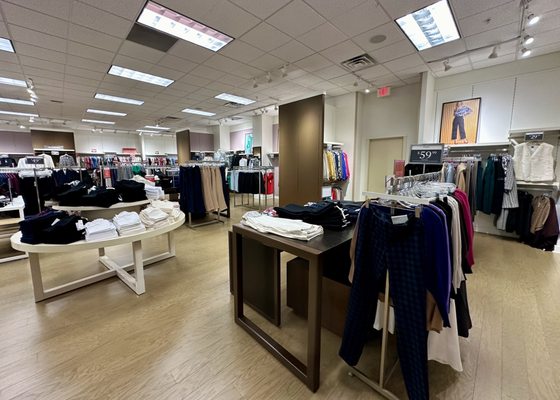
pixel 379 385
pixel 395 184
pixel 253 169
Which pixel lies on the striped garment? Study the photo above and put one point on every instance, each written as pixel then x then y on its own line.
pixel 510 185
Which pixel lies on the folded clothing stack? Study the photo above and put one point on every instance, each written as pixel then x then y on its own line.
pixel 68 229
pixel 154 218
pixel 128 223
pixel 100 229
pixel 131 191
pixel 290 228
pixel 328 214
pixel 32 227
pixel 100 197
pixel 154 192
pixel 171 208
pixel 72 195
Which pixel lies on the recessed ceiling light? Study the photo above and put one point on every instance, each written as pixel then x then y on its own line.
pixel 118 99
pixel 235 99
pixel 145 131
pixel 13 82
pixel 139 76
pixel 21 114
pixel 6 45
pixel 430 26
pixel 198 112
pixel 96 121
pixel 157 127
pixel 16 101
pixel 117 114
pixel 182 27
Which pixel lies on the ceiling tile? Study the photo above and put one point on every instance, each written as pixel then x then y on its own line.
pixel 191 52
pixel 194 80
pixel 35 20
pixel 413 71
pixel 85 73
pixel 454 71
pixel 331 8
pixel 331 72
pixel 361 18
pixel 546 38
pixel 493 36
pixel 314 63
pixel 538 51
pixel 10 57
pixel 548 21
pixel 445 50
pixel 400 8
pixel 464 9
pixel 230 19
pixel 374 72
pixel 389 30
pixel 324 86
pixel 38 72
pixel 55 8
pixel 176 63
pixel 135 50
pixel 90 37
pixel 296 18
pixel 34 62
pixel 393 51
pixel 261 8
pixel 221 63
pixel 265 37
pixel 89 52
pixel 132 63
pixel 494 61
pixel 344 80
pixel 4 67
pixel 94 18
pixel 292 51
pixel 245 71
pixel 404 63
pixel 342 51
pixel 81 81
pixel 39 52
pixel 4 30
pixel 196 9
pixel 166 72
pixel 241 51
pixel 338 92
pixel 38 39
pixel 481 55
pixel 129 9
pixel 490 19
pixel 322 36
pixel 267 62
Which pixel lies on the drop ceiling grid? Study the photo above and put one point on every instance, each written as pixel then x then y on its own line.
pixel 312 36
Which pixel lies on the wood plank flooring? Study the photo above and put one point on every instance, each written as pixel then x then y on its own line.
pixel 179 341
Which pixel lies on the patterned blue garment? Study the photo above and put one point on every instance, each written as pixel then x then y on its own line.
pixel 462 111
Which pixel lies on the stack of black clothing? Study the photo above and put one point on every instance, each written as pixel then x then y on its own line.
pixel 71 195
pixel 131 191
pixel 32 227
pixel 100 197
pixel 51 227
pixel 328 214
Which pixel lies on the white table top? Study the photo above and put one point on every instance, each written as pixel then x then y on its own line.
pixel 16 205
pixel 93 208
pixel 83 245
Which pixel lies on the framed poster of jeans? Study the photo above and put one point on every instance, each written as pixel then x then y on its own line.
pixel 459 121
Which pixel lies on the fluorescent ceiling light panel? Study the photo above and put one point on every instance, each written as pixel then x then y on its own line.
pixel 6 45
pixel 157 127
pixel 116 114
pixel 118 99
pixel 198 112
pixel 145 131
pixel 235 99
pixel 430 26
pixel 20 114
pixel 182 27
pixel 96 121
pixel 16 101
pixel 13 82
pixel 139 76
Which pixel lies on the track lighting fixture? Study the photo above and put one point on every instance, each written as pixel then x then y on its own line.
pixel 268 77
pixel 367 91
pixel 255 84
pixel 528 39
pixel 276 107
pixel 284 71
pixel 446 66
pixel 22 127
pixel 525 52
pixel 494 53
pixel 355 83
pixel 532 19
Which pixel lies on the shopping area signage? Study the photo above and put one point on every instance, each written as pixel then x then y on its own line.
pixel 534 136
pixel 426 153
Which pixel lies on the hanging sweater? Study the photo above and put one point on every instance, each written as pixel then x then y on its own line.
pixel 534 162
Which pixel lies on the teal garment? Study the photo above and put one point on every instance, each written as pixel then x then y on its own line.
pixel 488 186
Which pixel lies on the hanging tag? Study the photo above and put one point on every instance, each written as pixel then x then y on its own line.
pixel 55 222
pixel 80 225
pixel 399 219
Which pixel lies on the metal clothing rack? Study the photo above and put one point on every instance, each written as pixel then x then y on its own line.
pixel 380 385
pixel 252 169
pixel 216 213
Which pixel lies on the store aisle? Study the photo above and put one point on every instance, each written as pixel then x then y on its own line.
pixel 179 340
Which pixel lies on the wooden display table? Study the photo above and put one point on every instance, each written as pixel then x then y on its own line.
pixel 10 225
pixel 136 282
pixel 91 212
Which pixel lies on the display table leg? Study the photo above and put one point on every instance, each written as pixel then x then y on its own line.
pixel 36 277
pixel 171 243
pixel 138 267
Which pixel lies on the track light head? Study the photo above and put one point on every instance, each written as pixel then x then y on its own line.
pixel 255 84
pixel 284 71
pixel 355 83
pixel 276 107
pixel 446 66
pixel 268 77
pixel 528 39
pixel 532 19
pixel 525 52
pixel 494 53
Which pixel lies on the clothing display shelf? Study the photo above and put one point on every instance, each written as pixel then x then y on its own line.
pixel 136 282
pixel 216 213
pixel 11 225
pixel 260 169
pixel 397 184
pixel 93 212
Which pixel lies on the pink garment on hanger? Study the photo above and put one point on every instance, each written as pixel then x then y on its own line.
pixel 463 199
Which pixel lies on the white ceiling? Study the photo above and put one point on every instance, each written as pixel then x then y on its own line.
pixel 67 47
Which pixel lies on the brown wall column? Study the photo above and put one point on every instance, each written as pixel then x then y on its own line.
pixel 183 146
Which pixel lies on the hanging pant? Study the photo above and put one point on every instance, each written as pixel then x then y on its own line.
pixel 458 125
pixel 399 249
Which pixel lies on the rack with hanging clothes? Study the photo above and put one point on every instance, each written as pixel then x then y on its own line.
pixel 252 180
pixel 203 190
pixel 417 251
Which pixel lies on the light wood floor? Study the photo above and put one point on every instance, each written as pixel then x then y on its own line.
pixel 179 341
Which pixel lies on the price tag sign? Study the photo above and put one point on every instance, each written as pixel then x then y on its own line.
pixel 426 154
pixel 534 136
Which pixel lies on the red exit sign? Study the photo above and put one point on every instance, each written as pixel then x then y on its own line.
pixel 384 91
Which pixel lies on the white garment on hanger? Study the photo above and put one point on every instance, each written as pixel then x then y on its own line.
pixel 534 162
pixel 444 347
pixel 456 259
pixel 380 317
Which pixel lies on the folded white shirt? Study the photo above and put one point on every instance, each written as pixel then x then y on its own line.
pixel 126 219
pixel 290 228
pixel 99 225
